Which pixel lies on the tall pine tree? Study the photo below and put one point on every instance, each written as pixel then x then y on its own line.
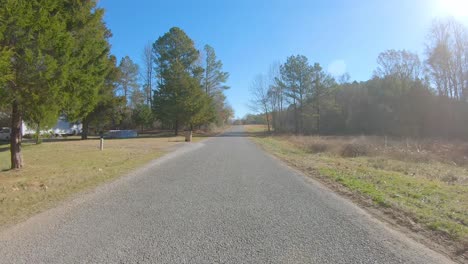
pixel 57 53
pixel 180 100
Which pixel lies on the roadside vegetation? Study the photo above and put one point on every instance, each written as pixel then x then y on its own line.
pixel 397 140
pixel 419 184
pixel 62 66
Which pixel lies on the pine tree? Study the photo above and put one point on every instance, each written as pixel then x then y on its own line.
pixel 215 78
pixel 41 47
pixel 128 77
pixel 180 100
pixel 56 54
pixel 90 59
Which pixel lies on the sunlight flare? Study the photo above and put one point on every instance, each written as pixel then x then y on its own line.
pixel 456 8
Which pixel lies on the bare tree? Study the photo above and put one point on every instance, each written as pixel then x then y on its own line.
pixel 148 72
pixel 399 63
pixel 276 95
pixel 447 62
pixel 260 102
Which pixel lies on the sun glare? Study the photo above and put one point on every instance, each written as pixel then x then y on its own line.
pixel 456 8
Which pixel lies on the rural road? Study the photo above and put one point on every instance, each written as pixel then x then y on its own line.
pixel 222 200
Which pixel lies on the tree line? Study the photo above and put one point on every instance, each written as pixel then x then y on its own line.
pixel 406 96
pixel 55 60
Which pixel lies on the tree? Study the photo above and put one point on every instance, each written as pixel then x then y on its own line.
pixel 148 71
pixel 401 64
pixel 58 53
pixel 137 98
pixel 38 47
pixel 215 78
pixel 399 100
pixel 321 85
pixel 447 52
pixel 213 83
pixel 44 116
pixel 180 100
pixel 90 58
pixel 6 73
pixel 142 116
pixel 128 78
pixel 295 78
pixel 107 111
pixel 276 95
pixel 260 100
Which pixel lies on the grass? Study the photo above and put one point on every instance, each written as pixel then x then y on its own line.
pixel 55 170
pixel 425 185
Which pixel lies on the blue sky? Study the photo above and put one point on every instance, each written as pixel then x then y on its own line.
pixel 250 35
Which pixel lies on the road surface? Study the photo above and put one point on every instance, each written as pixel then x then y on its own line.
pixel 219 201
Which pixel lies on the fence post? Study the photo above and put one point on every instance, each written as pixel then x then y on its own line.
pixel 101 144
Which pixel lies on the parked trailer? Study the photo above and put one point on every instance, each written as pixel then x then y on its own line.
pixel 121 134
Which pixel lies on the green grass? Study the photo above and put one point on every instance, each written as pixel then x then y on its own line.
pixel 418 190
pixel 54 171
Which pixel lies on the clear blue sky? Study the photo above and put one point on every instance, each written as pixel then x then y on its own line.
pixel 250 35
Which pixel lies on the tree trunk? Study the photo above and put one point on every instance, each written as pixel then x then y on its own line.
pixel 188 134
pixel 176 128
pixel 16 137
pixel 268 121
pixel 318 120
pixel 38 134
pixel 301 117
pixel 296 126
pixel 280 115
pixel 85 129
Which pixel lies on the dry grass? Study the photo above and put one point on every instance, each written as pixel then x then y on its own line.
pixel 447 160
pixel 55 170
pixel 255 129
pixel 423 184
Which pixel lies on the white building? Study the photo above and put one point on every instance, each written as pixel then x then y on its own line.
pixel 63 127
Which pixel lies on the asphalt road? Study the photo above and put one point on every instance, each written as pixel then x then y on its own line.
pixel 219 201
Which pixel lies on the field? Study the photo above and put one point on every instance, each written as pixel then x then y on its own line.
pixel 55 170
pixel 421 185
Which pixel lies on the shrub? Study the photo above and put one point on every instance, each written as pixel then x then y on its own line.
pixel 378 163
pixel 450 178
pixel 352 150
pixel 317 147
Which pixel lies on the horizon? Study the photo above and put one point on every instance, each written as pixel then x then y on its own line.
pixel 250 37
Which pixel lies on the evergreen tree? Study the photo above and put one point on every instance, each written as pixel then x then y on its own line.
pixel 179 101
pixel 215 78
pixel 128 78
pixel 142 116
pixel 90 58
pixel 56 51
pixel 213 82
pixel 296 78
pixel 108 109
pixel 41 47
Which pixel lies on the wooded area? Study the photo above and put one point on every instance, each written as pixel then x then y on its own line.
pixel 406 96
pixel 55 60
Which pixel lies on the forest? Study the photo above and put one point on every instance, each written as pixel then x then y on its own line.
pixel 407 96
